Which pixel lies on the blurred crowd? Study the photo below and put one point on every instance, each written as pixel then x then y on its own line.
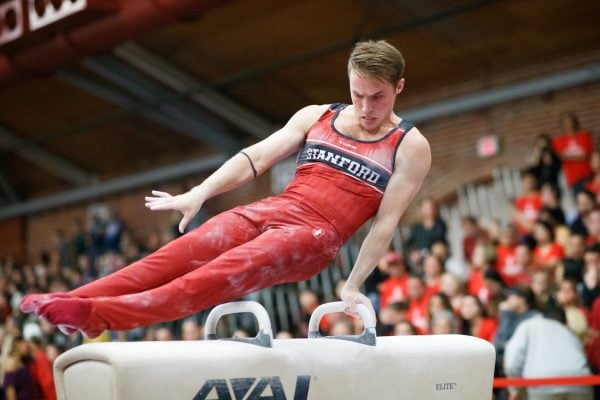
pixel 530 287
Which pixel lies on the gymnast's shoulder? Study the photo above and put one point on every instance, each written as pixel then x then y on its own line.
pixel 308 115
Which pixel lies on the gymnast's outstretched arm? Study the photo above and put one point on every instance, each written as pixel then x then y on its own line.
pixel 242 167
pixel 413 160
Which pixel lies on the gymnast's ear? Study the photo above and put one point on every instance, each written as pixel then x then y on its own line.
pixel 400 86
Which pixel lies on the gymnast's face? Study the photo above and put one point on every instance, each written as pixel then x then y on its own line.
pixel 373 100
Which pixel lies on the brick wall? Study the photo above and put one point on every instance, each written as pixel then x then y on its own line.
pixel 12 238
pixel 453 139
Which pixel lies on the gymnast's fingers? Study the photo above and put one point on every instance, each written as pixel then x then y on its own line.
pixel 185 221
pixel 161 194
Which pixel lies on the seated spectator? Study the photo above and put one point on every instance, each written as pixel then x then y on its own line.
pixel 240 333
pixel 593 183
pixel 494 287
pixel 80 239
pixel 191 330
pixel 41 369
pixel 429 229
pixel 592 226
pixel 433 269
pixel 453 288
pixel 391 315
pixel 590 289
pixel 527 206
pixel 493 231
pixel 394 287
pixel 418 300
pixel 540 286
pixel 519 272
pixel 574 147
pixel 592 347
pixel 569 268
pixel 112 232
pixel 550 197
pixel 575 247
pixel 440 250
pixel 444 323
pixel 544 162
pixel 342 327
pixel 309 301
pixel 284 335
pixel 52 352
pixel 542 347
pixel 584 203
pixel 472 234
pixel 505 251
pixel 475 322
pixel 518 307
pixel 478 265
pixel 547 253
pixel 562 233
pixel 404 328
pixel 438 302
pixel 568 298
pixel 19 383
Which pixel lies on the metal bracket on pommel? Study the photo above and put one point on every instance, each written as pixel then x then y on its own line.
pixel 264 338
pixel 368 337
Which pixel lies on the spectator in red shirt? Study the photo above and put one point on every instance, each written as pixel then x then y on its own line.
pixel 418 300
pixel 547 254
pixel 521 270
pixel 527 206
pixel 574 146
pixel 505 251
pixel 475 322
pixel 593 183
pixel 477 266
pixel 433 269
pixel 592 348
pixel 41 369
pixel 394 287
pixel 472 234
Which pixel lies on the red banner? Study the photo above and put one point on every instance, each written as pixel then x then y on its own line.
pixel 560 381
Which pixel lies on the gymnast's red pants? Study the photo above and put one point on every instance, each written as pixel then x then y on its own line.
pixel 240 251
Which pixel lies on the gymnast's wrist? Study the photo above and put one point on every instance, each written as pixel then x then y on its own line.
pixel 350 287
pixel 199 193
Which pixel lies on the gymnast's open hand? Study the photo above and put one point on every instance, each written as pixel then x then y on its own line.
pixel 188 203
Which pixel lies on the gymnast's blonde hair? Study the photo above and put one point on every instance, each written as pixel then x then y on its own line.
pixel 377 59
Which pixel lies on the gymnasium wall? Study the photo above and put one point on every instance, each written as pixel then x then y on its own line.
pixel 452 140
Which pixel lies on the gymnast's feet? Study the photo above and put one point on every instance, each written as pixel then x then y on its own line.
pixel 32 302
pixel 69 315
